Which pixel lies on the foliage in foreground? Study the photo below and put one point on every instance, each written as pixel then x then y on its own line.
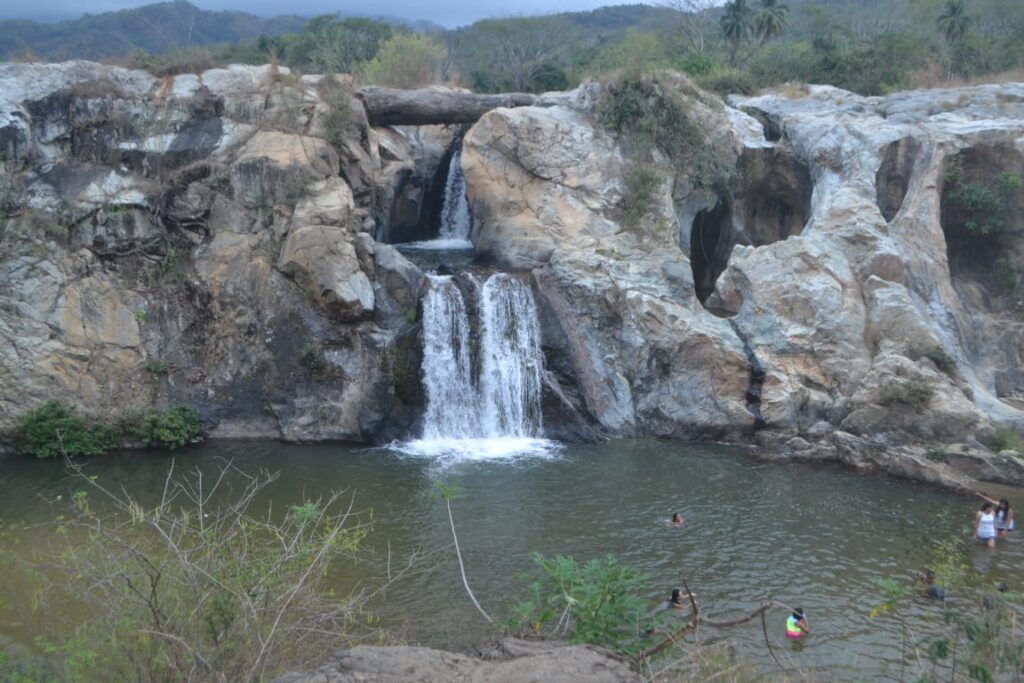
pixel 979 634
pixel 595 603
pixel 54 429
pixel 201 586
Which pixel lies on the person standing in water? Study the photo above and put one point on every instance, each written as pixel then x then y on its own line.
pixel 796 624
pixel 985 525
pixel 1004 516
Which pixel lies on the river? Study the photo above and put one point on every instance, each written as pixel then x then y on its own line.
pixel 810 535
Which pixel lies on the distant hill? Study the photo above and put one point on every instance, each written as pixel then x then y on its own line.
pixel 155 28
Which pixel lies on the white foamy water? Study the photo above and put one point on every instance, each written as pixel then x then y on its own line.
pixel 499 415
pixel 440 245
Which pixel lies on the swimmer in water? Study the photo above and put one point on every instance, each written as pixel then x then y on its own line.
pixel 796 625
pixel 677 520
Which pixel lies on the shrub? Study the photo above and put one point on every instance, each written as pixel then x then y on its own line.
pixel 651 112
pixel 907 392
pixel 339 122
pixel 53 429
pixel 200 586
pixel 313 358
pixel 728 82
pixel 1008 440
pixel 984 204
pixel 595 603
pixel 943 361
pixel 157 367
pixel 176 427
pixel 407 60
pixel 642 184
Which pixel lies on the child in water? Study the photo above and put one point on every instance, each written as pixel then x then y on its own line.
pixel 985 525
pixel 796 624
pixel 1004 516
pixel 677 520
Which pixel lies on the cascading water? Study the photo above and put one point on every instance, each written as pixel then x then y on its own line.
pixel 502 416
pixel 512 359
pixel 456 223
pixel 447 368
pixel 456 219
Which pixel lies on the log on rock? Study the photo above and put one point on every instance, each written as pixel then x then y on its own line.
pixel 392 107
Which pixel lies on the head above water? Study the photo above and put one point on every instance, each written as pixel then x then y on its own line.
pixel 677 595
pixel 677 518
pixel 798 613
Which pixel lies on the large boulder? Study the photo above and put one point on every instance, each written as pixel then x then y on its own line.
pixel 322 259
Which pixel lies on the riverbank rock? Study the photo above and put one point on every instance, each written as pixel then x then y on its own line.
pixel 831 285
pixel 512 661
pixel 197 240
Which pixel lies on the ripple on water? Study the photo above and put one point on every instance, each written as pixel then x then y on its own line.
pixel 453 451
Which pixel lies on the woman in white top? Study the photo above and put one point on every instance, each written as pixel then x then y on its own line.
pixel 1004 516
pixel 985 525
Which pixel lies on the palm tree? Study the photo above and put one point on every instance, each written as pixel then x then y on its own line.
pixel 770 19
pixel 954 21
pixel 736 25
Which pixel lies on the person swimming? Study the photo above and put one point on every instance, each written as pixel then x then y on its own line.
pixel 796 624
pixel 677 520
pixel 985 525
pixel 677 601
pixel 931 589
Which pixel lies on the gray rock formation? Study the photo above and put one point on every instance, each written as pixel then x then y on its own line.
pixel 512 661
pixel 197 239
pixel 810 279
pixel 825 290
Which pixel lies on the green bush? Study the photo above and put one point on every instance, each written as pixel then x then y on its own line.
pixel 728 82
pixel 983 204
pixel 313 358
pixel 53 429
pixel 642 184
pixel 907 392
pixel 339 122
pixel 407 60
pixel 596 601
pixel 1008 440
pixel 176 427
pixel 943 361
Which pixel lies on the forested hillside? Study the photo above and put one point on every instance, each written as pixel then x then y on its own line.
pixel 868 46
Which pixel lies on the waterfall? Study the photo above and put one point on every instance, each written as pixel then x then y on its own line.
pixel 500 414
pixel 456 222
pixel 512 359
pixel 447 371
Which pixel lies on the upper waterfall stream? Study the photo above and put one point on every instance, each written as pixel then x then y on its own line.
pixel 456 219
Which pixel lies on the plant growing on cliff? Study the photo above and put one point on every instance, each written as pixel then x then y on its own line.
pixel 313 359
pixel 642 185
pixel 54 429
pixel 200 586
pixel 983 204
pixel 912 393
pixel 176 427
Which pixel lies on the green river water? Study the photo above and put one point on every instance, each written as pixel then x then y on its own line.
pixel 816 536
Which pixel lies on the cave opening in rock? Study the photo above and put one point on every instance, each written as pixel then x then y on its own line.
pixel 893 178
pixel 982 217
pixel 708 235
pixel 770 202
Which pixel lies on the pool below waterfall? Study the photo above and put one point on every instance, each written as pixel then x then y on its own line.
pixel 816 536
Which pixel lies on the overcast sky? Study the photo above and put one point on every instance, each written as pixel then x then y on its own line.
pixel 448 13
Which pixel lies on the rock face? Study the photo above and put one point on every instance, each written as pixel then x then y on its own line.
pixel 819 276
pixel 196 239
pixel 512 661
pixel 822 293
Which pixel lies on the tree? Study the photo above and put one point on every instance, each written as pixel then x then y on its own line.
pixel 954 21
pixel 736 24
pixel 770 20
pixel 521 47
pixel 332 45
pixel 694 21
pixel 407 60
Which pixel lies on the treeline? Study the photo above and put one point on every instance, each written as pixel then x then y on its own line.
pixel 867 46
